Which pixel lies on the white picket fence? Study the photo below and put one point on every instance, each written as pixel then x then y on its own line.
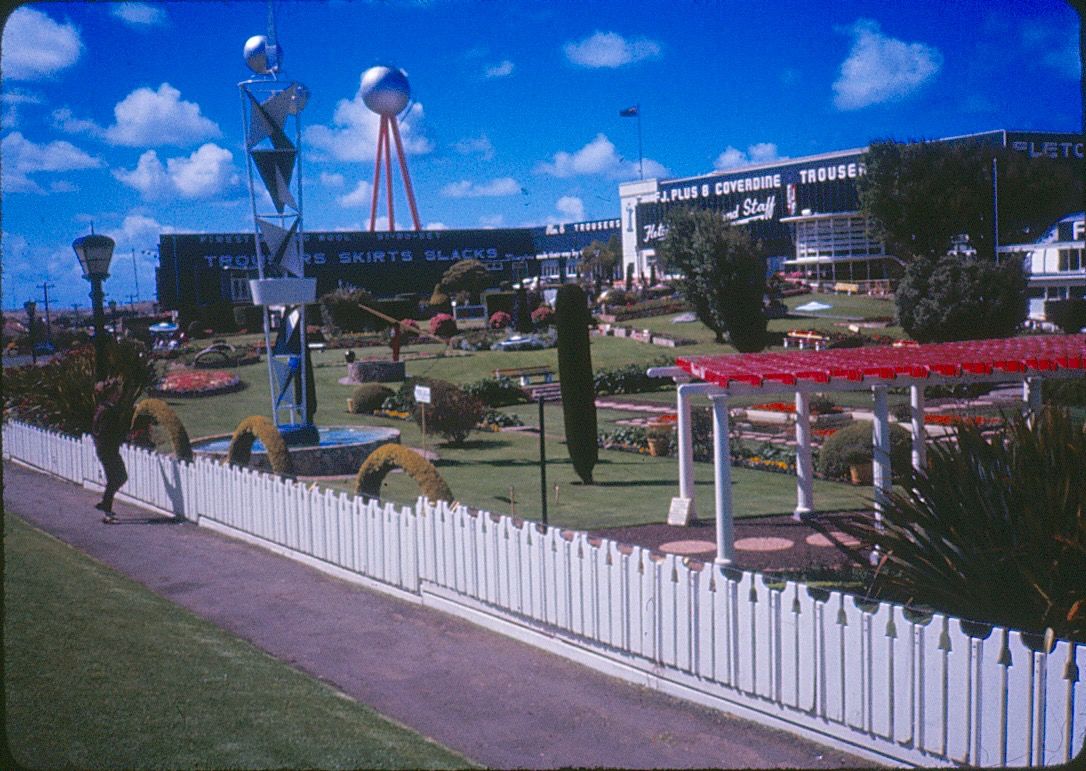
pixel 868 678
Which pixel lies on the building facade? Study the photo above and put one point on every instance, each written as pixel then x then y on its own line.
pixel 805 211
pixel 203 269
pixel 1056 264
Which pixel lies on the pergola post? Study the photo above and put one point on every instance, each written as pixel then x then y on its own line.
pixel 722 462
pixel 685 502
pixel 804 468
pixel 1031 397
pixel 880 445
pixel 916 415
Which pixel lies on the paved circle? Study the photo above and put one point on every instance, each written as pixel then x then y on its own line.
pixel 817 539
pixel 764 544
pixel 687 547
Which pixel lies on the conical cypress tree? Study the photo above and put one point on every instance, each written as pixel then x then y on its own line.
pixel 575 376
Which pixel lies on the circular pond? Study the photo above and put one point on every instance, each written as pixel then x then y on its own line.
pixel 341 450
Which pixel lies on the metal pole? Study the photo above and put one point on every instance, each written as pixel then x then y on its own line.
pixel 995 208
pixel 640 155
pixel 542 462
pixel 99 330
pixel 45 287
pixel 135 276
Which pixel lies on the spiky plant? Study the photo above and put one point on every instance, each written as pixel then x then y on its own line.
pixel 993 531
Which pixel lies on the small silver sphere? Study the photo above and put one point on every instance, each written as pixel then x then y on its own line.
pixel 256 54
pixel 385 90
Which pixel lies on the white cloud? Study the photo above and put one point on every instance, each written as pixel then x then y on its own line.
pixel 495 188
pixel 138 231
pixel 571 207
pixel 140 15
pixel 501 70
pixel 35 47
pixel 147 118
pixel 353 133
pixel 13 100
pixel 609 49
pixel 205 173
pixel 23 157
pixel 598 157
pixel 362 195
pixel 491 221
pixel 332 180
pixel 882 69
pixel 435 226
pixel 480 146
pixel 63 119
pixel 761 152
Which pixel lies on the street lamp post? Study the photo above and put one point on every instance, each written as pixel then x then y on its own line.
pixel 30 306
pixel 94 253
pixel 113 317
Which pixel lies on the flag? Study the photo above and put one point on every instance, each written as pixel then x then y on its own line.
pixel 630 112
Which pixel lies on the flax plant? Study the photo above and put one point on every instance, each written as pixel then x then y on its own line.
pixel 993 531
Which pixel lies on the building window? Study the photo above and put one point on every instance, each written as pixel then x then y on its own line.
pixel 239 290
pixel 1070 259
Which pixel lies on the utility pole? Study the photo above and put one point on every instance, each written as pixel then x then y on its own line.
pixel 45 286
pixel 132 301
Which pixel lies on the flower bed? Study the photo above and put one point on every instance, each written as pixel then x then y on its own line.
pixel 961 420
pixel 195 383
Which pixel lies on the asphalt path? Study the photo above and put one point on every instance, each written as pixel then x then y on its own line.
pixel 500 702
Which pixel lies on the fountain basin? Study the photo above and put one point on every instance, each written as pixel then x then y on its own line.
pixel 341 450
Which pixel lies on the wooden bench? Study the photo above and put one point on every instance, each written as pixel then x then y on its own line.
pixel 524 375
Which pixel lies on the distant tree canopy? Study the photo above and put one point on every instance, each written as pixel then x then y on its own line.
pixel 723 274
pixel 920 196
pixel 599 259
pixel 469 276
pixel 951 297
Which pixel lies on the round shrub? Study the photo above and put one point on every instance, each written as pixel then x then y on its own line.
pixel 384 459
pixel 543 316
pixel 451 412
pixel 368 397
pixel 500 320
pixel 851 446
pixel 443 325
pixel 158 412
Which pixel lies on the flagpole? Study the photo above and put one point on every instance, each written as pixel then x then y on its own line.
pixel 640 155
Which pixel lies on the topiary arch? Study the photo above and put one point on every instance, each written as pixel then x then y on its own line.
pixel 157 412
pixel 259 427
pixel 373 470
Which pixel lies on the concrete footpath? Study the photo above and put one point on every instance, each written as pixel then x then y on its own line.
pixel 500 702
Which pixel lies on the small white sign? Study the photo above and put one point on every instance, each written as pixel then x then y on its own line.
pixel 422 394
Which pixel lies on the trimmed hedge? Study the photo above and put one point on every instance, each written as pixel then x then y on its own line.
pixel 259 427
pixel 369 397
pixel 158 412
pixel 497 392
pixel 384 459
pixel 851 445
pixel 575 379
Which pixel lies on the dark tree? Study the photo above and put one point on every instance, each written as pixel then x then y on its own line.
pixel 723 275
pixel 961 298
pixel 469 276
pixel 576 379
pixel 599 259
pixel 920 196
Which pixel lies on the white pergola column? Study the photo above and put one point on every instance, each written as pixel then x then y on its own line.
pixel 916 415
pixel 722 463
pixel 1031 397
pixel 880 444
pixel 804 467
pixel 686 444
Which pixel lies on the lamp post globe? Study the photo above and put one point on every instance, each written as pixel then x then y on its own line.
pixel 94 253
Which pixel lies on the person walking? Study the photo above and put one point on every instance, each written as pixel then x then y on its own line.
pixel 109 429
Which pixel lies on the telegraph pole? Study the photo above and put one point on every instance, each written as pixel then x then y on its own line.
pixel 45 286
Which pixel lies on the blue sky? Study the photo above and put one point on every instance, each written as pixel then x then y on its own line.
pixel 127 115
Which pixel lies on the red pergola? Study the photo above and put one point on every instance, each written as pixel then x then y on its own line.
pixel 1014 356
pixel 1019 359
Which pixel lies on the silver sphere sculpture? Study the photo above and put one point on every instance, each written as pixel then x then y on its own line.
pixel 256 52
pixel 385 90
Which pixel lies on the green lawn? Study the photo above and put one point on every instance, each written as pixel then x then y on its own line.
pixel 100 672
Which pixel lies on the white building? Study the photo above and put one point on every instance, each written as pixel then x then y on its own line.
pixel 1056 264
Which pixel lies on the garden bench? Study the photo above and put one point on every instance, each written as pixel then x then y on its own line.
pixel 525 374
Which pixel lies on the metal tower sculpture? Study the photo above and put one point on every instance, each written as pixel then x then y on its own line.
pixel 270 113
pixel 386 92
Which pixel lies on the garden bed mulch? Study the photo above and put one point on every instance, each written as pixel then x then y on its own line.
pixel 807 549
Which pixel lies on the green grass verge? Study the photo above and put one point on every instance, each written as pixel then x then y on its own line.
pixel 100 672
